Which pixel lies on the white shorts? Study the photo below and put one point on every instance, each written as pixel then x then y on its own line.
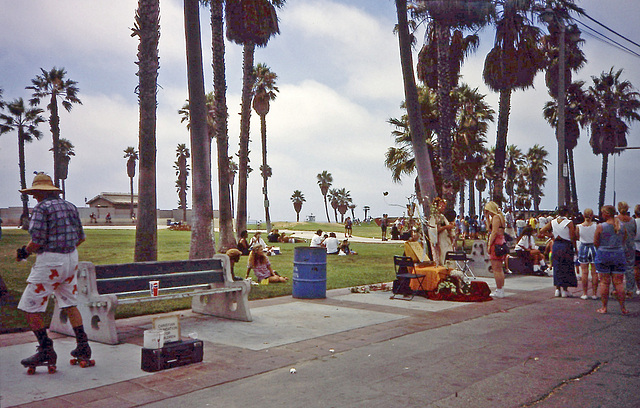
pixel 52 273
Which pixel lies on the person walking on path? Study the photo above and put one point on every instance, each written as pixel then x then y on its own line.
pixel 587 254
pixel 563 233
pixel 610 258
pixel 629 225
pixel 496 224
pixel 56 232
pixel 383 226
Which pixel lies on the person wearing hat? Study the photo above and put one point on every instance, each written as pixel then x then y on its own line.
pixel 56 231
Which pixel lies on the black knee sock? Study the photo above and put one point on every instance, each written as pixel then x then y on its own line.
pixel 43 339
pixel 81 336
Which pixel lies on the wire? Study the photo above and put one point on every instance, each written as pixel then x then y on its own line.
pixel 617 44
pixel 616 33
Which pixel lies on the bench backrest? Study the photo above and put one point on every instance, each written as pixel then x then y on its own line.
pixel 135 277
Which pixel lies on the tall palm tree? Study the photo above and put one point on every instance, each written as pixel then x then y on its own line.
pixel 25 121
pixel 147 29
pixel 181 166
pixel 264 92
pixel 297 198
pixel 343 197
pixel 613 104
pixel 65 148
pixel 249 23
pixel 536 164
pixel 574 119
pixel 221 132
pixel 324 182
pixel 202 237
pixel 448 15
pixel 417 135
pixel 131 154
pixel 513 161
pixel 334 200
pixel 512 63
pixel 53 86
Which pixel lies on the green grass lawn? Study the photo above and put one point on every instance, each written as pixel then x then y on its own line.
pixel 373 264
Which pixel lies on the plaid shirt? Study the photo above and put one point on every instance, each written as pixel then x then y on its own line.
pixel 55 226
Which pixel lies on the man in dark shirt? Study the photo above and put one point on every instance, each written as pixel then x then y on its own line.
pixel 56 231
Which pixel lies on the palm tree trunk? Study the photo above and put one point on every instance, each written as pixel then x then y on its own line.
pixel 603 179
pixel 202 238
pixel 501 144
pixel 418 133
pixel 146 247
pixel 131 203
pixel 446 115
pixel 472 201
pixel 265 172
pixel 227 239
pixel 462 198
pixel 23 177
pixel 243 152
pixel 572 175
pixel 326 208
pixel 54 123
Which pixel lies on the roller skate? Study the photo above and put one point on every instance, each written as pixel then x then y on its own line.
pixel 82 356
pixel 45 356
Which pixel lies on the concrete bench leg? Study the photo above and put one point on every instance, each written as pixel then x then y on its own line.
pixel 229 305
pixel 97 311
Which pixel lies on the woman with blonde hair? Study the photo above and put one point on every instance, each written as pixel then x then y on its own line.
pixel 259 262
pixel 629 225
pixel 496 223
pixel 587 254
pixel 610 257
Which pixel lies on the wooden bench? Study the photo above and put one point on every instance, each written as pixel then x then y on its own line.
pixel 101 288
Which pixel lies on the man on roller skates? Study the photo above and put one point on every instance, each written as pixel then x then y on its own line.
pixel 56 231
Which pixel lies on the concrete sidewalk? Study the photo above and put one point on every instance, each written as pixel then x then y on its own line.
pixel 356 350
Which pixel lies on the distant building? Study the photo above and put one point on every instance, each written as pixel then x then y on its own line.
pixel 114 201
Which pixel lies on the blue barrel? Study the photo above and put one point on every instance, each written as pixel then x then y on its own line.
pixel 309 273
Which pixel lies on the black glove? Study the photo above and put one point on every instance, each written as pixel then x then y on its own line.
pixel 21 253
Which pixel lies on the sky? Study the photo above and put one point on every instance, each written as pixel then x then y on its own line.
pixel 339 78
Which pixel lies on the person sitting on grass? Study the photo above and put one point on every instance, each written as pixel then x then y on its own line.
pixel 261 266
pixel 344 248
pixel 332 244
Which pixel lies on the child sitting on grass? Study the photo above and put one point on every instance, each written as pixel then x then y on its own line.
pixel 261 266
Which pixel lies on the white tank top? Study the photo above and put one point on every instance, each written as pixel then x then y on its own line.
pixel 587 233
pixel 560 229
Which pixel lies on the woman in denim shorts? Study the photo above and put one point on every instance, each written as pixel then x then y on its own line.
pixel 610 257
pixel 587 254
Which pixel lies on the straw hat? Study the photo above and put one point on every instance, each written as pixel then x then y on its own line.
pixel 41 182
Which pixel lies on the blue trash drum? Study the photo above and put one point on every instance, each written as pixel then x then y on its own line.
pixel 309 273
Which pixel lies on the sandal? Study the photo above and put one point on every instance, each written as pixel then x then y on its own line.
pixel 602 310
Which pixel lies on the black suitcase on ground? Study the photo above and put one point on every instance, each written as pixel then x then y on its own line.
pixel 173 354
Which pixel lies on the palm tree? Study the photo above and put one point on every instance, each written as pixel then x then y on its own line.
pixel 65 148
pixel 147 29
pixel 131 154
pixel 536 165
pixel 418 134
pixel 334 200
pixel 448 15
pixel 612 104
pixel 324 182
pixel 514 160
pixel 574 119
pixel 297 198
pixel 512 63
pixel 264 91
pixel 344 200
pixel 25 121
pixel 202 237
pixel 251 24
pixel 53 86
pixel 182 171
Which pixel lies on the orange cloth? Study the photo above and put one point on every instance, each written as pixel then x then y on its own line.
pixel 433 275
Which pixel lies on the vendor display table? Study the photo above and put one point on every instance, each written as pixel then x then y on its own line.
pixel 433 275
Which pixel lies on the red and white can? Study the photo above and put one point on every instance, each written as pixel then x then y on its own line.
pixel 154 287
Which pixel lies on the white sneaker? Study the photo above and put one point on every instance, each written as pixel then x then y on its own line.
pixel 638 292
pixel 499 293
pixel 594 297
pixel 584 297
pixel 557 292
pixel 564 293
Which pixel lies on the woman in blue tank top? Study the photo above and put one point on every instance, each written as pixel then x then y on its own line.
pixel 610 257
